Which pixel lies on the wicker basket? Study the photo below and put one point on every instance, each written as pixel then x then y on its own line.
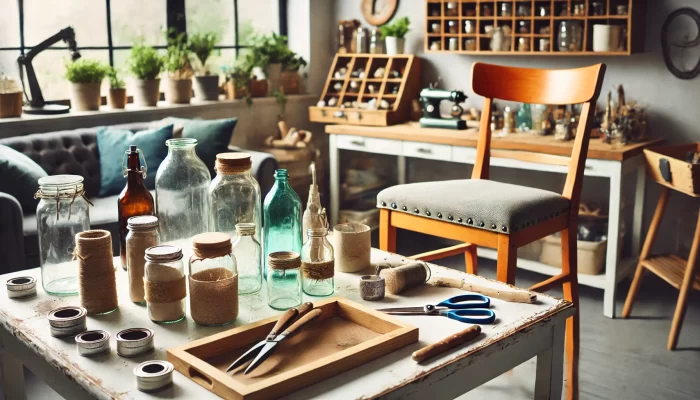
pixel 10 105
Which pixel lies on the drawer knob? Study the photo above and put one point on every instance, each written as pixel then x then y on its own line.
pixel 424 150
pixel 358 142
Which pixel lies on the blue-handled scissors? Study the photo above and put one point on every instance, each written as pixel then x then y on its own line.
pixel 469 308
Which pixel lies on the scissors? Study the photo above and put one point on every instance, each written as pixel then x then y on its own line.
pixel 468 308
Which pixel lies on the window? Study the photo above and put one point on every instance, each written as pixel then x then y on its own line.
pixel 106 30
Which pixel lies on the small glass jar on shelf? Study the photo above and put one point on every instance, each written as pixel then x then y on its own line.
pixel 283 280
pixel 317 264
pixel 143 234
pixel 165 284
pixel 62 213
pixel 248 254
pixel 213 280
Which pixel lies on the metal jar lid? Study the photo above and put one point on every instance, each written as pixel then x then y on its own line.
pixel 142 223
pixel 22 286
pixel 152 376
pixel 92 343
pixel 134 342
pixel 67 321
pixel 163 253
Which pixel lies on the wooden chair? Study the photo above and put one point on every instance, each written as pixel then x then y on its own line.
pixel 499 215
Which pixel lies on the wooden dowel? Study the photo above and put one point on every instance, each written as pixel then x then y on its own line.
pixel 447 343
pixel 517 296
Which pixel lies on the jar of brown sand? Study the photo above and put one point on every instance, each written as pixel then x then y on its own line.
pixel 165 284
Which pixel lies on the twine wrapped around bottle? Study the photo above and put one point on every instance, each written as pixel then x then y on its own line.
pixel 283 260
pixel 404 277
pixel 96 275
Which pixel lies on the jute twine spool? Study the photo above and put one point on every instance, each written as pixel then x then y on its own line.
pixel 318 270
pixel 96 275
pixel 283 260
pixel 232 163
pixel 404 277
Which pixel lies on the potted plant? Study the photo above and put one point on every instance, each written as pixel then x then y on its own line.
pixel 270 53
pixel 394 34
pixel 238 82
pixel 256 61
pixel 178 86
pixel 10 98
pixel 206 85
pixel 86 77
pixel 146 65
pixel 290 80
pixel 117 90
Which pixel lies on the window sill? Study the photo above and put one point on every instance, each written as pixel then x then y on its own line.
pixel 28 124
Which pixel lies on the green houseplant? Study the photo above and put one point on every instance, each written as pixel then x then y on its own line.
pixel 394 35
pixel 271 53
pixel 290 80
pixel 178 86
pixel 145 64
pixel 86 76
pixel 239 80
pixel 206 85
pixel 117 90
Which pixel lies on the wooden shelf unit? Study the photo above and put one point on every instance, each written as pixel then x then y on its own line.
pixel 633 22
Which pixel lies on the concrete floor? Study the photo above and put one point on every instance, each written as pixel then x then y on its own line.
pixel 620 359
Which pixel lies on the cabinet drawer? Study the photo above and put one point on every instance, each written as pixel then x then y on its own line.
pixel 464 155
pixel 371 145
pixel 427 150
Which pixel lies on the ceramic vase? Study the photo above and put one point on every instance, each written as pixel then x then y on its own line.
pixel 206 88
pixel 178 91
pixel 85 96
pixel 146 92
pixel 274 71
pixel 394 45
pixel 117 98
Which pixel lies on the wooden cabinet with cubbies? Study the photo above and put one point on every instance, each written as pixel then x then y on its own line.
pixel 532 27
pixel 357 92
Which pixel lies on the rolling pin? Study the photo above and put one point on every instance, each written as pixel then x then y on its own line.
pixel 517 296
pixel 447 343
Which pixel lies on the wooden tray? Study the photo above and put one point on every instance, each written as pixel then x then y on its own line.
pixel 344 336
pixel 684 176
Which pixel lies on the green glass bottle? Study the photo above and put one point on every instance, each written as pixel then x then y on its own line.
pixel 282 217
pixel 523 119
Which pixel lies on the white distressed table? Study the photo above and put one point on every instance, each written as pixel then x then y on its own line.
pixel 521 331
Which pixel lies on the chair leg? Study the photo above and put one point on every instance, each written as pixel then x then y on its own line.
pixel 470 260
pixel 507 260
pixel 646 250
pixel 387 232
pixel 573 324
pixel 686 286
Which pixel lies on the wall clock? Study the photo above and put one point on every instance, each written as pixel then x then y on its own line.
pixel 680 42
pixel 379 12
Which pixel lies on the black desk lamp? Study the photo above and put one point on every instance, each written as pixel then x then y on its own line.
pixel 37 105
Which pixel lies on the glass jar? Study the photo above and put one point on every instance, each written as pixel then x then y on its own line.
pixel 143 233
pixel 570 36
pixel 524 118
pixel 182 194
pixel 453 27
pixel 524 44
pixel 282 214
pixel 213 280
pixel 165 285
pixel 506 10
pixel 248 254
pixel 451 9
pixel 523 10
pixel 61 213
pixel 283 280
pixel 234 194
pixel 523 26
pixel 469 26
pixel 317 264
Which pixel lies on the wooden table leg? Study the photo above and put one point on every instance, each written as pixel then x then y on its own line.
pixel 12 377
pixel 550 367
pixel 507 260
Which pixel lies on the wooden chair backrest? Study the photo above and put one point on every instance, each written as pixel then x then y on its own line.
pixel 539 86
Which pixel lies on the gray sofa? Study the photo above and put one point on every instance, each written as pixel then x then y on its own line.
pixel 75 152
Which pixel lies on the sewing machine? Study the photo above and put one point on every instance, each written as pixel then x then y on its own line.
pixel 431 98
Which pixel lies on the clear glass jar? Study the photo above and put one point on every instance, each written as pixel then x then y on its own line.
pixel 317 264
pixel 213 280
pixel 165 284
pixel 182 194
pixel 61 213
pixel 234 194
pixel 248 254
pixel 143 233
pixel 570 36
pixel 282 215
pixel 283 280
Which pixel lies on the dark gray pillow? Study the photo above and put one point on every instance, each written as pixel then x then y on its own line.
pixel 19 176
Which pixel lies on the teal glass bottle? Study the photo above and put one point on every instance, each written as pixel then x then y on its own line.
pixel 281 218
pixel 523 119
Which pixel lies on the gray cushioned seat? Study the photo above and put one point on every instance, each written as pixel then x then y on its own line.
pixel 485 204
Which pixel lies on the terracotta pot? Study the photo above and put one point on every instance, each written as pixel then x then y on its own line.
pixel 10 105
pixel 234 93
pixel 206 88
pixel 290 82
pixel 274 71
pixel 85 96
pixel 146 93
pixel 178 91
pixel 258 88
pixel 117 98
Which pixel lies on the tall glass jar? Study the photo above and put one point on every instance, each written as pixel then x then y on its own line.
pixel 213 280
pixel 143 233
pixel 317 264
pixel 282 215
pixel 570 36
pixel 235 195
pixel 165 284
pixel 182 194
pixel 283 280
pixel 248 254
pixel 61 213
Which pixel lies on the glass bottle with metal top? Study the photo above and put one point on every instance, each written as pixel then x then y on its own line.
pixel 282 215
pixel 283 280
pixel 61 213
pixel 248 254
pixel 165 284
pixel 143 234
pixel 317 264
pixel 135 199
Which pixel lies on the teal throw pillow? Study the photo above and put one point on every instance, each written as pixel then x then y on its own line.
pixel 113 142
pixel 213 136
pixel 19 177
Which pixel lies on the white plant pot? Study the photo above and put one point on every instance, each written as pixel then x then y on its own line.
pixel 274 71
pixel 394 45
pixel 606 38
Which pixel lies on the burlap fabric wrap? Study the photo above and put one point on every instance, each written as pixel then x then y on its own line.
pixel 96 274
pixel 165 292
pixel 404 277
pixel 283 260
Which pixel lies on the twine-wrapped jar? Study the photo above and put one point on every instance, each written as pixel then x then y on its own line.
pixel 283 280
pixel 143 233
pixel 317 264
pixel 165 284
pixel 96 276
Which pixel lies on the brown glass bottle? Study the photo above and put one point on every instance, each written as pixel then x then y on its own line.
pixel 134 200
